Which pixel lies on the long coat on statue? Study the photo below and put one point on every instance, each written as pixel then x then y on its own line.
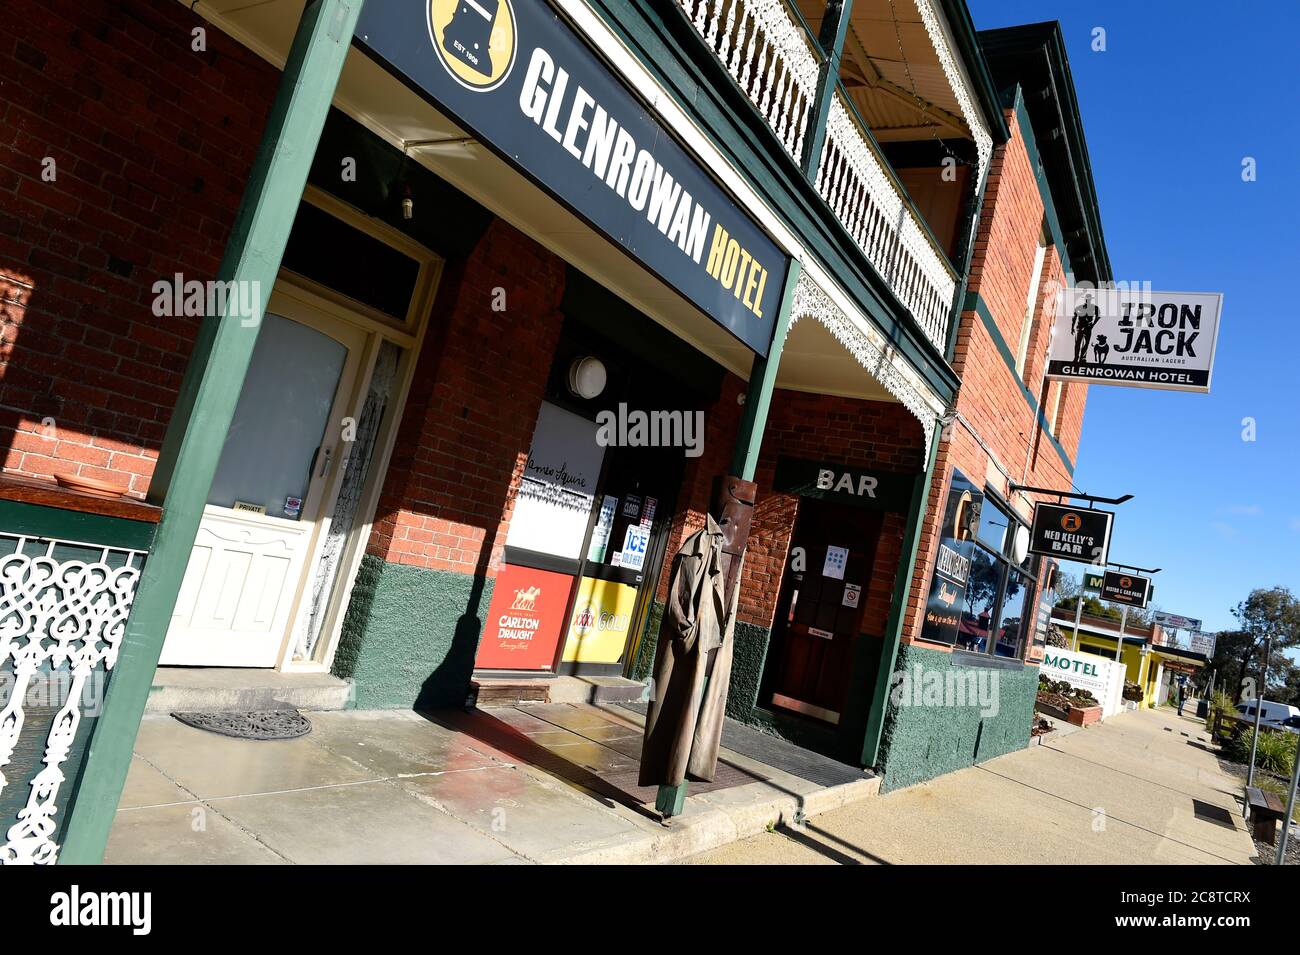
pixel 684 724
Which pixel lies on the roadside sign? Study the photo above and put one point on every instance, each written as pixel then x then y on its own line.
pixel 1124 588
pixel 1092 582
pixel 1071 533
pixel 1175 621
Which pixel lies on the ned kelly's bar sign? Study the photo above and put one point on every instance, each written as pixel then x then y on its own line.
pixel 522 81
pixel 1135 337
pixel 1071 533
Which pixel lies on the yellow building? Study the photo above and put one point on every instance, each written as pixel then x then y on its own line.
pixel 1150 659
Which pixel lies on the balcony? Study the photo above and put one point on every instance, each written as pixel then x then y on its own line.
pixel 900 110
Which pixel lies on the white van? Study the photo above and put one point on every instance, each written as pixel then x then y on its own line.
pixel 1272 714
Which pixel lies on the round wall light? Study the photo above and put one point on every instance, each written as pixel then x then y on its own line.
pixel 1020 544
pixel 587 377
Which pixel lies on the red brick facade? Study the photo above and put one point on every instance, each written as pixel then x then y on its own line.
pixel 144 185
pixel 998 439
pixel 464 437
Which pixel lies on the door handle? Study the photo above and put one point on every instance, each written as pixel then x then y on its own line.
pixel 326 455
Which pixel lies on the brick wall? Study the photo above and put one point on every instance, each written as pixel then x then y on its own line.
pixel 146 185
pixel 1010 445
pixel 463 440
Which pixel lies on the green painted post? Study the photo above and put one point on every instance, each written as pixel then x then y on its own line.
pixel 206 404
pixel 898 612
pixel 749 439
pixel 762 382
pixel 835 28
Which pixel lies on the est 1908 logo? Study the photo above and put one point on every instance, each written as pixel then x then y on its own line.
pixel 474 40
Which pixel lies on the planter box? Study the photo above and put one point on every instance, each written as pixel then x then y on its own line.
pixel 1084 715
pixel 1047 709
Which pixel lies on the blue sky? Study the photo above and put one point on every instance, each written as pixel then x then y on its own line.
pixel 1182 93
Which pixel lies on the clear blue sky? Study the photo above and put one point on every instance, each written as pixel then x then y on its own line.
pixel 1183 92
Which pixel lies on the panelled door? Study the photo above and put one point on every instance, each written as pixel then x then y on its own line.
pixel 823 592
pixel 276 479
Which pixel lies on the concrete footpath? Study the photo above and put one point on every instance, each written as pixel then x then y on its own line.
pixel 1143 787
pixel 544 783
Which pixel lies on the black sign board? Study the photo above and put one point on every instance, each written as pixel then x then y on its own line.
pixel 1071 533
pixel 1124 588
pixel 961 518
pixel 522 81
pixel 877 490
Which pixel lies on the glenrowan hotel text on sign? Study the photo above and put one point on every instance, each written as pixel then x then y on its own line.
pixel 612 154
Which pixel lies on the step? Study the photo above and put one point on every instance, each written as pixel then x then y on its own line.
pixel 487 692
pixel 199 689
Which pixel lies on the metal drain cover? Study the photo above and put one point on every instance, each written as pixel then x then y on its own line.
pixel 285 723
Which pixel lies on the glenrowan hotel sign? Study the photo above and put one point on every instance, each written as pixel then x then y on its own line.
pixel 1139 338
pixel 522 81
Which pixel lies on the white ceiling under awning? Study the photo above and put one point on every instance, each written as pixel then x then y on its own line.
pixel 891 71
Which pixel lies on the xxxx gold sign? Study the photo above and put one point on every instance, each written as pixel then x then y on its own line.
pixel 519 79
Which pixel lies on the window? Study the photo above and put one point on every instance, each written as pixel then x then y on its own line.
pixel 1031 306
pixel 1058 409
pixel 994 618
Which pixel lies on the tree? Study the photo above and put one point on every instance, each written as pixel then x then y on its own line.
pixel 1266 614
pixel 1092 607
pixel 1067 585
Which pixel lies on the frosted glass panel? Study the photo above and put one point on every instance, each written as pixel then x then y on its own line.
pixel 281 417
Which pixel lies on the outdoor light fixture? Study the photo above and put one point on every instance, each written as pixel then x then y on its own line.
pixel 1020 544
pixel 587 377
pixel 408 205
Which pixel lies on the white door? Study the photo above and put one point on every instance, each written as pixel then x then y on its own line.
pixel 276 479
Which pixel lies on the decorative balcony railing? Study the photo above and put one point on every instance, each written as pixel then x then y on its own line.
pixel 67 582
pixel 854 180
pixel 769 55
pixel 768 52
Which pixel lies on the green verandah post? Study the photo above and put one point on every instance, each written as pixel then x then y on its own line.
pixel 902 594
pixel 206 405
pixel 749 439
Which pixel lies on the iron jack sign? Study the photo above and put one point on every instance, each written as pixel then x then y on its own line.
pixel 1135 337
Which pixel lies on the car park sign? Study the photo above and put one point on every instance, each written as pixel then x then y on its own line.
pixel 1126 588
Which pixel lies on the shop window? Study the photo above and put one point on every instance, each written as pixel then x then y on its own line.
pixel 994 618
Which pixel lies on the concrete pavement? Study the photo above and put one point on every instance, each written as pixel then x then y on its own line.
pixel 529 784
pixel 1143 787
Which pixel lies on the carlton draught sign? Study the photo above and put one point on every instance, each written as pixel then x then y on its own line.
pixel 1135 337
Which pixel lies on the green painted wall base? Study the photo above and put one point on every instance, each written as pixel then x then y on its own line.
pixel 935 737
pixel 410 635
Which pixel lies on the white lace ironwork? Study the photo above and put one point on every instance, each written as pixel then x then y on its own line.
pixel 769 55
pixel 853 180
pixel 871 350
pixel 59 618
pixel 953 73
